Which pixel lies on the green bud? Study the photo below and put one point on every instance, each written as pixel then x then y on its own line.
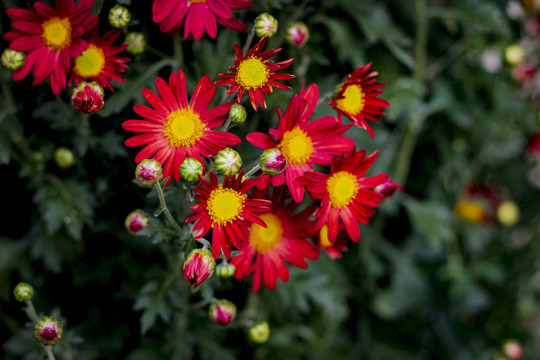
pixel 228 161
pixel 12 59
pixel 136 43
pixel 48 330
pixel 225 270
pixel 119 16
pixel 23 292
pixel 149 172
pixel 259 333
pixel 514 54
pixel 238 113
pixel 190 169
pixel 64 157
pixel 265 25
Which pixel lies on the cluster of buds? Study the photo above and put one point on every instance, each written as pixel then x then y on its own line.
pixel 198 266
pixel 191 169
pixel 228 161
pixel 136 221
pixel 222 312
pixel 88 97
pixel 149 172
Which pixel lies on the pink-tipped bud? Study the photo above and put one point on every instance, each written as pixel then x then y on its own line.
pixel 48 330
pixel 273 162
pixel 513 350
pixel 297 34
pixel 387 188
pixel 198 266
pixel 136 221
pixel 88 97
pixel 222 312
pixel 149 172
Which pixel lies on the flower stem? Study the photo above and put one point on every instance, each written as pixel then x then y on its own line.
pixel 253 170
pixel 173 222
pixel 32 314
pixel 251 35
pixel 225 126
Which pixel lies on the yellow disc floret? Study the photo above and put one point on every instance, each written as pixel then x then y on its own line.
pixel 90 63
pixel 251 74
pixel 353 100
pixel 56 33
pixel 342 188
pixel 323 237
pixel 297 146
pixel 264 239
pixel 225 205
pixel 183 128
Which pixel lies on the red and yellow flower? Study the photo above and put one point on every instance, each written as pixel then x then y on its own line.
pixel 334 249
pixel 51 38
pixel 197 16
pixel 254 74
pixel 303 142
pixel 173 128
pixel 346 194
pixel 99 62
pixel 227 210
pixel 357 98
pixel 478 204
pixel 283 239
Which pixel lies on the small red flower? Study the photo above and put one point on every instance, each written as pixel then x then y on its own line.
pixel 334 249
pixel 357 98
pixel 88 97
pixel 254 74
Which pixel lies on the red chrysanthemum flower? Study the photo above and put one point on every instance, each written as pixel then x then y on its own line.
pixel 478 204
pixel 357 98
pixel 334 249
pixel 346 194
pixel 197 16
pixel 254 74
pixel 98 63
pixel 283 239
pixel 174 129
pixel 227 210
pixel 302 142
pixel 51 37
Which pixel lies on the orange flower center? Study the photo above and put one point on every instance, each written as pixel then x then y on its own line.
pixel 342 188
pixel 252 74
pixel 470 210
pixel 90 63
pixel 183 128
pixel 56 33
pixel 264 239
pixel 224 205
pixel 353 100
pixel 297 146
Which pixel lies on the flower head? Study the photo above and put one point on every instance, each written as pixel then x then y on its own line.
pixel 198 266
pixel 148 172
pixel 297 34
pixel 259 333
pixel 23 292
pixel 334 249
pixel 174 129
pixel 254 74
pixel 88 97
pixel 357 98
pixel 48 330
pixel 51 38
pixel 136 221
pixel 119 16
pixel 265 25
pixel 284 238
pixel 303 142
pixel 228 161
pixel 478 204
pixel 346 194
pixel 222 312
pixel 227 210
pixel 12 59
pixel 197 16
pixel 100 63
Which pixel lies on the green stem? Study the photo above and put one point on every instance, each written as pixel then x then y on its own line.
pixel 251 35
pixel 32 314
pixel 225 126
pixel 253 170
pixel 173 222
pixel 178 51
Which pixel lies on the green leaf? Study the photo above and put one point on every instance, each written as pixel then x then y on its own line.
pixel 432 219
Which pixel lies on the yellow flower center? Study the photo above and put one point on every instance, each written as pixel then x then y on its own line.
pixel 183 128
pixel 342 188
pixel 297 147
pixel 353 100
pixel 56 33
pixel 224 205
pixel 251 73
pixel 197 1
pixel 323 237
pixel 91 62
pixel 264 239
pixel 470 211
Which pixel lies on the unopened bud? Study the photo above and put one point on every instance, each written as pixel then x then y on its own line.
pixel 297 34
pixel 225 270
pixel 222 312
pixel 228 161
pixel 136 221
pixel 48 330
pixel 265 25
pixel 23 292
pixel 513 350
pixel 12 59
pixel 259 333
pixel 190 169
pixel 514 54
pixel 136 43
pixel 119 16
pixel 387 189
pixel 238 113
pixel 88 97
pixel 272 162
pixel 198 266
pixel 64 157
pixel 508 213
pixel 149 172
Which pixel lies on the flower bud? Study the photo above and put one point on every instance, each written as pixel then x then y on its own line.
pixel 23 292
pixel 514 54
pixel 136 221
pixel 265 25
pixel 136 43
pixel 119 16
pixel 228 161
pixel 64 157
pixel 272 162
pixel 48 330
pixel 225 270
pixel 508 213
pixel 149 172
pixel 297 34
pixel 238 113
pixel 190 169
pixel 12 59
pixel 259 332
pixel 88 97
pixel 222 312
pixel 513 350
pixel 198 266
pixel 387 188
